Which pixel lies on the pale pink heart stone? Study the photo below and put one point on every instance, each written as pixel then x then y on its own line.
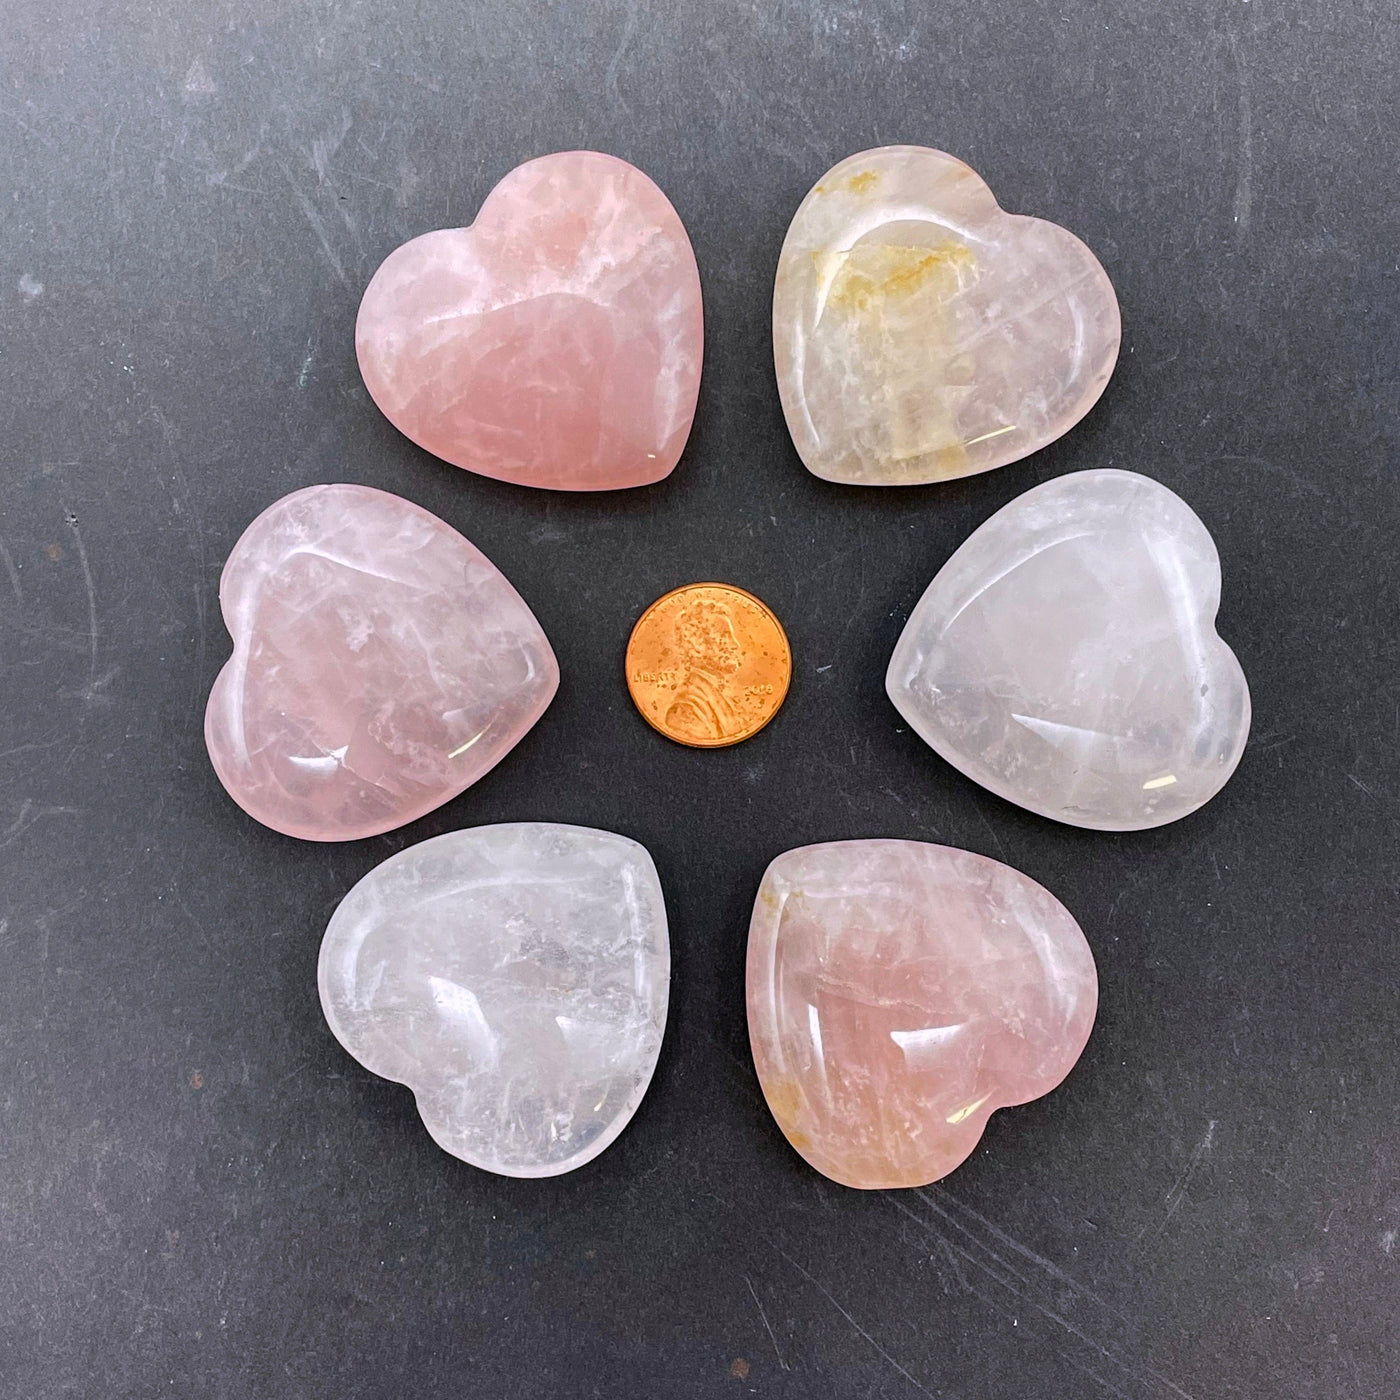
pixel 899 993
pixel 920 332
pixel 381 664
pixel 556 342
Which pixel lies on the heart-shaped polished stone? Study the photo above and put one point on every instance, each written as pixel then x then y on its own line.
pixel 556 342
pixel 515 978
pixel 381 664
pixel 899 993
pixel 1066 656
pixel 921 332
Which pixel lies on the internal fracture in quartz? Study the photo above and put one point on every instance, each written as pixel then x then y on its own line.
pixel 1066 657
pixel 556 342
pixel 921 332
pixel 515 978
pixel 381 665
pixel 899 993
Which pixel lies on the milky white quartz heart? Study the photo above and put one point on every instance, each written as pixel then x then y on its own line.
pixel 1066 657
pixel 381 664
pixel 515 978
pixel 555 342
pixel 899 993
pixel 920 332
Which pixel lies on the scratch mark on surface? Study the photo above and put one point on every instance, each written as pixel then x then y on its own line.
pixel 91 590
pixel 953 1257
pixel 953 1252
pixel 767 1326
pixel 1059 1290
pixel 1177 1194
pixel 1244 170
pixel 30 748
pixel 992 831
pixel 291 1074
pixel 610 81
pixel 324 146
pixel 201 932
pixel 1295 478
pixel 219 179
pixel 862 591
pixel 306 364
pixel 1094 1376
pixel 1039 1260
pixel 879 1350
pixel 183 506
pixel 29 813
pixel 318 227
pixel 94 690
pixel 13 572
pixel 1388 1238
pixel 1113 910
pixel 1352 778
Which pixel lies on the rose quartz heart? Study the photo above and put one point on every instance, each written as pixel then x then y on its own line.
pixel 899 993
pixel 556 342
pixel 381 664
pixel 920 332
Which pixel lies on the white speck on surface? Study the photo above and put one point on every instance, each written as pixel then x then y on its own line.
pixel 197 81
pixel 30 287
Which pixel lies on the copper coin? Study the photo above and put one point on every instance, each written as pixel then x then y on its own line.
pixel 708 665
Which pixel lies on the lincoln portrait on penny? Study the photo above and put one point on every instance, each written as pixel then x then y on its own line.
pixel 705 639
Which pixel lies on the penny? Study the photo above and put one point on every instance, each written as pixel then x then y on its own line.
pixel 708 665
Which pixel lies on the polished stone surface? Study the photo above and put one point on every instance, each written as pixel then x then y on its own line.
pixel 920 332
pixel 515 978
pixel 381 664
pixel 899 993
pixel 1066 656
pixel 556 342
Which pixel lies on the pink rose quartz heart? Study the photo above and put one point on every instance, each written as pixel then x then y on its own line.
pixel 899 993
pixel 381 664
pixel 556 342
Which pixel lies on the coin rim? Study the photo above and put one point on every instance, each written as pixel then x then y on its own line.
pixel 707 743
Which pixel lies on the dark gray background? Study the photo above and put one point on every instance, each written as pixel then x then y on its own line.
pixel 202 1195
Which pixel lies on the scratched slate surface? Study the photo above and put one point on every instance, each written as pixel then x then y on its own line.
pixel 200 1194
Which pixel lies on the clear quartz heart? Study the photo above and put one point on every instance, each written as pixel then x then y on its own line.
pixel 515 977
pixel 920 332
pixel 1066 657
pixel 556 342
pixel 899 993
pixel 381 665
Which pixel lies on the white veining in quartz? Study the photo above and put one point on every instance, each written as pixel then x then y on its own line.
pixel 920 332
pixel 1066 657
pixel 515 977
pixel 381 665
pixel 899 993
